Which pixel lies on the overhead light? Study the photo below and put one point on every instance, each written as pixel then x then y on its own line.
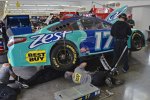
pixel 14 9
pixel 76 6
pixel 46 5
pixel 36 9
pixel 65 5
pixel 54 5
pixel 12 4
pixel 27 5
pixel 42 5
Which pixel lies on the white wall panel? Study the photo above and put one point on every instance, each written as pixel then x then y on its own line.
pixel 141 16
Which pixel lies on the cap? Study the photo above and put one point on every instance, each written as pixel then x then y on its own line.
pixel 123 15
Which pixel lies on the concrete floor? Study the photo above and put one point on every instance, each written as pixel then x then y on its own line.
pixel 136 87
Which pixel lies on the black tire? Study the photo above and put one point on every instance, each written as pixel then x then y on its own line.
pixel 137 41
pixel 63 57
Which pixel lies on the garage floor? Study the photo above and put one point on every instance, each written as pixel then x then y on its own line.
pixel 136 87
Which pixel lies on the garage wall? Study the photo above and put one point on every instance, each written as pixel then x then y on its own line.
pixel 2 6
pixel 141 16
pixel 133 3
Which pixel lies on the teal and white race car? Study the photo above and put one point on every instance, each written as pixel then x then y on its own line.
pixel 62 43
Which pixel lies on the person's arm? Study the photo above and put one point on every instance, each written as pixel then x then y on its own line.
pixel 11 72
pixel 113 30
pixel 129 32
pixel 83 65
pixel 14 76
pixel 133 23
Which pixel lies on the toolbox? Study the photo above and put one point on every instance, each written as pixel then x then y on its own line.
pixel 80 92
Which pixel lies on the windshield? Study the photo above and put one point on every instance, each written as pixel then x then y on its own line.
pixel 93 23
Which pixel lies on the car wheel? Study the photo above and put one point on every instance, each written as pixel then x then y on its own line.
pixel 63 57
pixel 137 41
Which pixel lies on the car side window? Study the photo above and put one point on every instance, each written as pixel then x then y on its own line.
pixel 87 23
pixel 69 26
pixel 98 24
pixel 75 26
pixel 106 25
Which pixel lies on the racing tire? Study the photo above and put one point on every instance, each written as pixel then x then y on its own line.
pixel 64 57
pixel 137 41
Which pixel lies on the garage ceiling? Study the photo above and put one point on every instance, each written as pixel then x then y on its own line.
pixel 2 6
pixel 47 6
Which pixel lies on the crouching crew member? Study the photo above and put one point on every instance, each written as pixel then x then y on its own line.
pixel 5 73
pixel 81 76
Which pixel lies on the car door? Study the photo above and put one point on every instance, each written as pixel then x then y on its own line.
pixel 98 35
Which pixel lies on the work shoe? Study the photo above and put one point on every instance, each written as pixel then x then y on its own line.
pixel 124 70
pixel 22 85
pixel 25 86
pixel 108 82
pixel 114 73
pixel 118 82
pixel 22 82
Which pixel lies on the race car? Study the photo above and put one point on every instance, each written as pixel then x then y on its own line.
pixel 61 44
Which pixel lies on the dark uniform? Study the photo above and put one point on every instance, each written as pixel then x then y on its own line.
pixel 4 35
pixel 120 31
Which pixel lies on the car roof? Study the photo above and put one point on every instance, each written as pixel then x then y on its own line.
pixel 75 18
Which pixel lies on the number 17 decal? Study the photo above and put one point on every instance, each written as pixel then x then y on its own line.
pixel 100 37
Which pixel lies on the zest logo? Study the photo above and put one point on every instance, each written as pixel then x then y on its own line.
pixel 46 38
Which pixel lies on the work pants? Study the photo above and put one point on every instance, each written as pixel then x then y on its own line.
pixel 119 45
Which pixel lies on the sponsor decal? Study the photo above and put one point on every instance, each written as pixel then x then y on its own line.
pixel 114 15
pixel 55 63
pixel 46 38
pixel 86 97
pixel 77 77
pixel 74 53
pixel 37 56
pixel 84 49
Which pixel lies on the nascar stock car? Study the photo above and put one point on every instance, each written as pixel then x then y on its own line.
pixel 61 44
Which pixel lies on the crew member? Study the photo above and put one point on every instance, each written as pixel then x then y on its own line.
pixel 81 76
pixel 131 21
pixel 4 35
pixel 120 31
pixel 5 73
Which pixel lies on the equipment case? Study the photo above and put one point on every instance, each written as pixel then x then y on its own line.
pixel 80 92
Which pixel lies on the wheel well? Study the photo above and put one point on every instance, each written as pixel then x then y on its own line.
pixel 142 37
pixel 137 31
